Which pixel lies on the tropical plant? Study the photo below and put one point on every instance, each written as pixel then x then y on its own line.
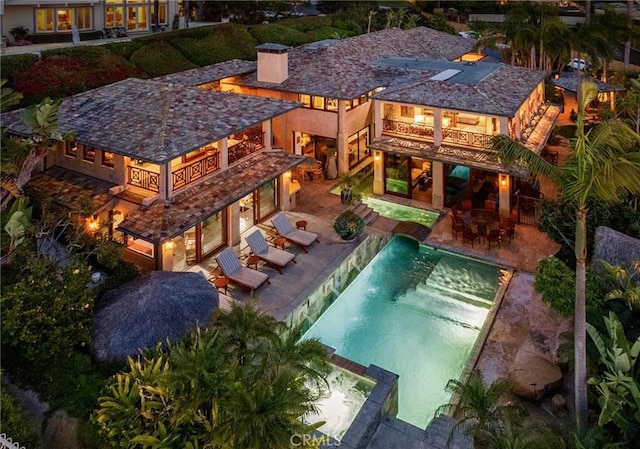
pixel 477 408
pixel 19 219
pixel 628 107
pixel 244 383
pixel 605 164
pixel 624 286
pixel 21 156
pixel 619 383
pixel 348 225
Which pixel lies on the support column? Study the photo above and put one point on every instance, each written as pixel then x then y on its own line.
pixel 437 127
pixel 504 127
pixel 504 195
pixel 341 143
pixel 437 172
pixel 287 199
pixel 266 129
pixel 223 148
pixel 378 173
pixel 377 119
pixel 164 188
pixel 233 219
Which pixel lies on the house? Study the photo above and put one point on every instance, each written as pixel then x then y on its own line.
pixel 174 172
pixel 181 165
pixel 405 104
pixel 58 17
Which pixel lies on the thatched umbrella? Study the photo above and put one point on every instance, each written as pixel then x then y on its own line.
pixel 615 248
pixel 155 307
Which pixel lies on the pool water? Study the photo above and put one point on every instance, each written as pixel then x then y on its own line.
pixel 415 311
pixel 402 213
pixel 339 405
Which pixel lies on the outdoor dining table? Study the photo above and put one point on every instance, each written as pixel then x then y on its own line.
pixel 480 219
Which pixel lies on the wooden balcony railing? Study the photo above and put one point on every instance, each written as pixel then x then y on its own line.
pixel 467 138
pixel 407 129
pixel 245 147
pixel 188 174
pixel 144 179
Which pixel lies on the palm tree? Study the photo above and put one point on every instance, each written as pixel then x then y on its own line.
pixel 476 408
pixel 604 164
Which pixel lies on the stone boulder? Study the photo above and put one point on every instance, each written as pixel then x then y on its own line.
pixel 534 378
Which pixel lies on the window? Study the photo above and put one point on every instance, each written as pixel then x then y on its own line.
pixel 406 111
pixel 44 20
pixel 63 19
pixel 305 100
pixel 332 104
pixel 348 104
pixel 83 19
pixel 114 17
pixel 318 102
pixel 71 149
pixel 107 159
pixel 357 146
pixel 162 13
pixel 89 154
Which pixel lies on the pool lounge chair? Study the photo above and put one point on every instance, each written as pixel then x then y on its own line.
pixel 238 274
pixel 301 238
pixel 273 256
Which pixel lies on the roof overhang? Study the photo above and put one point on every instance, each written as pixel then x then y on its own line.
pixel 161 222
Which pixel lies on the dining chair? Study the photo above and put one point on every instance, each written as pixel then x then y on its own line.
pixel 456 226
pixel 469 235
pixel 493 236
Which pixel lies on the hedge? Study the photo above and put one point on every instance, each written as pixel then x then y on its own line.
pixel 305 24
pixel 85 52
pixel 124 49
pixel 278 34
pixel 328 33
pixel 159 59
pixel 16 63
pixel 50 38
pixel 193 33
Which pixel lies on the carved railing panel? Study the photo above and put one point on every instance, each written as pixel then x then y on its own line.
pixel 246 147
pixel 407 129
pixel 188 174
pixel 144 179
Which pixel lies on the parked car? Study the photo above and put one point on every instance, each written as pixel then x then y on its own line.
pixel 580 64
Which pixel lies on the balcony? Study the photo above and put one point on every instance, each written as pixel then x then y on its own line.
pixel 407 129
pixel 462 138
pixel 240 149
pixel 190 173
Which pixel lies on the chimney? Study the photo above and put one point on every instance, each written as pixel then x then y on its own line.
pixel 273 63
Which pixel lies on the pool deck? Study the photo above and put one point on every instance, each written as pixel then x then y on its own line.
pixel 513 332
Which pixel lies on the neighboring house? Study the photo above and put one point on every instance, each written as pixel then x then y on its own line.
pixel 175 172
pixel 54 16
pixel 415 106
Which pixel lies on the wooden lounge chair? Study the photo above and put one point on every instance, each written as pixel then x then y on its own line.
pixel 301 238
pixel 272 256
pixel 238 274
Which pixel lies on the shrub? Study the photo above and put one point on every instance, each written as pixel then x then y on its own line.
pixel 14 422
pixel 211 50
pixel 49 38
pixel 60 76
pixel 279 34
pixel 348 225
pixel 85 52
pixel 124 49
pixel 16 63
pixel 319 34
pixel 46 313
pixel 159 59
pixel 556 281
pixel 19 33
pixel 305 24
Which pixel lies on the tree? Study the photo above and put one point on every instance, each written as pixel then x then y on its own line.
pixel 477 408
pixel 604 164
pixel 243 383
pixel 628 107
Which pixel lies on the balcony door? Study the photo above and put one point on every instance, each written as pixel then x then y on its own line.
pixel 258 205
pixel 397 175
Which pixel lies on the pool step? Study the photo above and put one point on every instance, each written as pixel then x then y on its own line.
pixel 366 213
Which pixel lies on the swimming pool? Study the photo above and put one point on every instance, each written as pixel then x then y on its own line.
pixel 400 212
pixel 421 325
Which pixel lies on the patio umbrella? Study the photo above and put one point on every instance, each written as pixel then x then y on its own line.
pixel 155 307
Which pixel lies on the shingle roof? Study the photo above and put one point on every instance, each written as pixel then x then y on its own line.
pixel 210 73
pixel 69 189
pixel 154 121
pixel 203 200
pixel 570 83
pixel 342 69
pixel 500 93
